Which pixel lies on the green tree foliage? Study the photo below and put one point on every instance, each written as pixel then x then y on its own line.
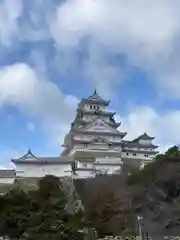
pixel 100 211
pixel 151 170
pixel 173 151
pixel 14 208
pixel 39 214
pixel 108 214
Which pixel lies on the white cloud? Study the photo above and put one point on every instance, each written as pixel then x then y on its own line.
pixel 25 21
pixel 30 127
pixel 122 22
pixel 10 11
pixel 102 74
pixel 21 87
pixel 5 155
pixel 147 32
pixel 164 127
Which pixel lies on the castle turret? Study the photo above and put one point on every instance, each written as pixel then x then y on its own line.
pixel 139 150
pixel 94 137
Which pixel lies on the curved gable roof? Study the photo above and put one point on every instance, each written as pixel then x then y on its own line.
pixel 95 98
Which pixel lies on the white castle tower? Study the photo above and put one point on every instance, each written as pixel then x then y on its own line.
pixel 94 141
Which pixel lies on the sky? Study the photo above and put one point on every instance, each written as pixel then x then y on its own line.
pixel 55 52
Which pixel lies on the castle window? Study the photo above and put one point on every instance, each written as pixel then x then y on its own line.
pixel 134 154
pixel 127 153
pixel 94 107
pixel 146 155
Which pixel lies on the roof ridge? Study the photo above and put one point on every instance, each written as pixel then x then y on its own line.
pixel 95 95
pixel 143 136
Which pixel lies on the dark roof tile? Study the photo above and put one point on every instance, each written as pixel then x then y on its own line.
pixel 143 136
pixel 95 98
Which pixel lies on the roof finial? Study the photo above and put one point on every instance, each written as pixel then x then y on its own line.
pixel 29 151
pixel 95 97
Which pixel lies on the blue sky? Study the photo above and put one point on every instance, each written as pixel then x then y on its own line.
pixel 54 52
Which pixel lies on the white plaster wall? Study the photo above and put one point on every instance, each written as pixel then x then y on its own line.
pixel 79 146
pixel 145 141
pixel 37 170
pixel 108 159
pixel 132 148
pixel 115 148
pixel 147 149
pixel 98 146
pixel 112 138
pixel 88 147
pixel 93 150
pixel 109 169
pixel 138 156
pixel 139 149
pixel 84 164
pixel 78 137
pixel 90 118
pixel 115 138
pixel 6 180
pixel 83 137
pixel 91 137
pixel 87 107
pixel 84 174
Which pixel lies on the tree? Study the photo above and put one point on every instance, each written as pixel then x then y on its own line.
pixel 39 214
pixel 110 213
pixel 99 211
pixel 14 213
pixel 50 186
pixel 173 151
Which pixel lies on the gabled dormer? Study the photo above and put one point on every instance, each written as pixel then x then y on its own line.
pixel 98 126
pixel 99 143
pixel 100 140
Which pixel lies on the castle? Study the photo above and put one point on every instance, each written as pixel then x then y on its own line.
pixel 94 145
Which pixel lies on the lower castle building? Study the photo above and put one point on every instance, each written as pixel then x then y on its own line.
pixel 94 145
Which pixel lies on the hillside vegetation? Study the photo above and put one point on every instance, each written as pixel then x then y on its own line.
pixel 50 209
pixel 40 213
pixel 112 203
